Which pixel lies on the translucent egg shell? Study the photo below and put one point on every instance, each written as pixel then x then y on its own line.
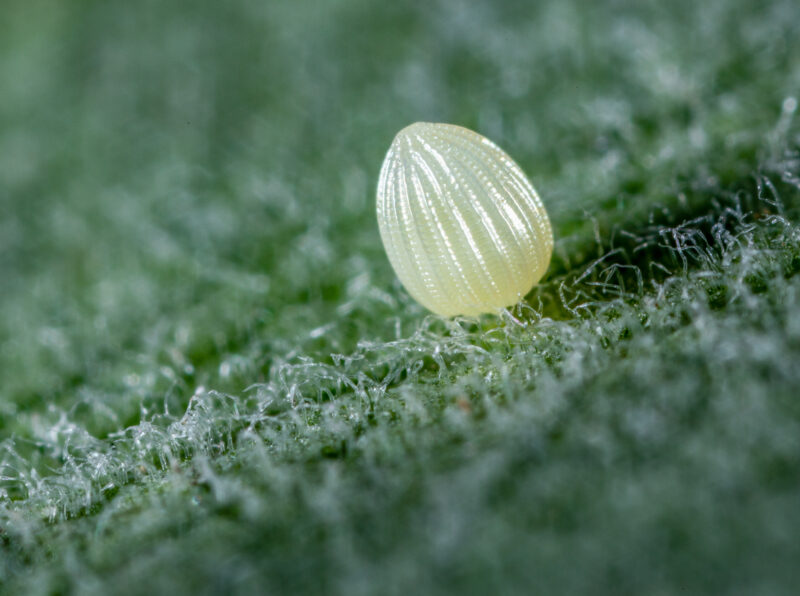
pixel 462 226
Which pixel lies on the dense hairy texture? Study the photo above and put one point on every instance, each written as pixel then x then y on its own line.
pixel 211 380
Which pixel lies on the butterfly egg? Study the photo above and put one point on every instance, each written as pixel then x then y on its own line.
pixel 463 227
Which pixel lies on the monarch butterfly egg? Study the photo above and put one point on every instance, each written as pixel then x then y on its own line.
pixel 463 227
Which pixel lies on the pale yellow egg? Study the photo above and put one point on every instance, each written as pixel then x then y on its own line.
pixel 462 226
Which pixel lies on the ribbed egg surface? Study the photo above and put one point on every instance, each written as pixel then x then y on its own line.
pixel 463 227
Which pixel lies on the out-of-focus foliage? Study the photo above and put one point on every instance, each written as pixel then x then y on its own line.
pixel 210 380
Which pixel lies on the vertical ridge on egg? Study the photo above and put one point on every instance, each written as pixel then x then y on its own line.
pixel 462 225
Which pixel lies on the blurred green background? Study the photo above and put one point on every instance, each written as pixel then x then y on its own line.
pixel 211 381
